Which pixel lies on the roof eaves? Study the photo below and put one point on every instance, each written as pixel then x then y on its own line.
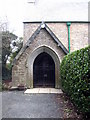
pixel 25 22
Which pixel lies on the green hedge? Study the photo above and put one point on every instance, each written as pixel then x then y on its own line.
pixel 75 78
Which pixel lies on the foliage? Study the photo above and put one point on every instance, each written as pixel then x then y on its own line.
pixel 75 78
pixel 15 47
pixel 12 56
pixel 7 37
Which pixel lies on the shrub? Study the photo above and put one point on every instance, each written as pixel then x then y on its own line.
pixel 75 78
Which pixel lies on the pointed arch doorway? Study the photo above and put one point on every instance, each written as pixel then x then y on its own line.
pixel 44 71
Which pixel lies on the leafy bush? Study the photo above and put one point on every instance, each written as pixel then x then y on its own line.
pixel 75 78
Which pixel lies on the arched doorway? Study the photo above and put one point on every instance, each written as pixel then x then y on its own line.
pixel 31 60
pixel 44 71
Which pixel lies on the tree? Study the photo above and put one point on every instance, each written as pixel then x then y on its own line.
pixel 7 38
pixel 15 47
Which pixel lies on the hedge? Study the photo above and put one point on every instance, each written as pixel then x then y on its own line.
pixel 75 78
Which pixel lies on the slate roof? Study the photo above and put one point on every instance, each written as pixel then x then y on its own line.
pixel 42 26
pixel 56 10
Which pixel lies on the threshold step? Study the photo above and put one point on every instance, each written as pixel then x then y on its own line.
pixel 44 90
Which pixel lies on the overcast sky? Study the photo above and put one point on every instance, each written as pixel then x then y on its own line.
pixel 16 11
pixel 12 10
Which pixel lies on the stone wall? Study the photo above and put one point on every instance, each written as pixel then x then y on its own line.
pixel 22 71
pixel 78 33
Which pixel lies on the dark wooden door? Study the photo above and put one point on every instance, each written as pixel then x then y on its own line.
pixel 44 71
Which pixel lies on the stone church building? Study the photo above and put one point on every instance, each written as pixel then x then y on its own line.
pixel 47 39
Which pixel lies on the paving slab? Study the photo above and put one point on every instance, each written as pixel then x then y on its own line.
pixel 56 90
pixel 44 90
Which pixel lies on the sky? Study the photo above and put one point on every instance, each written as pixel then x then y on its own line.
pixel 15 12
pixel 12 11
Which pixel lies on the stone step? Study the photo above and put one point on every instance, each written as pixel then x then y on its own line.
pixel 44 90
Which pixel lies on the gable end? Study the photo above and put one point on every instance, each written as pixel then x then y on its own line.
pixel 42 26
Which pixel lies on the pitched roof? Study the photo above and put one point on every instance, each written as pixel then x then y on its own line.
pixel 42 26
pixel 56 10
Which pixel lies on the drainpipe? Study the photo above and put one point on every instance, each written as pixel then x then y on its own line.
pixel 68 25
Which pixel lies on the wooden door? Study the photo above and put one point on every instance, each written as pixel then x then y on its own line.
pixel 44 71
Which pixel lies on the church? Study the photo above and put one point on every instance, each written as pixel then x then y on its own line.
pixel 51 31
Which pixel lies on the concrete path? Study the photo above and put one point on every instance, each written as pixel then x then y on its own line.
pixel 44 90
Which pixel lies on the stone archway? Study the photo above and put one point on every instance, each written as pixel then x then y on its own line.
pixel 32 58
